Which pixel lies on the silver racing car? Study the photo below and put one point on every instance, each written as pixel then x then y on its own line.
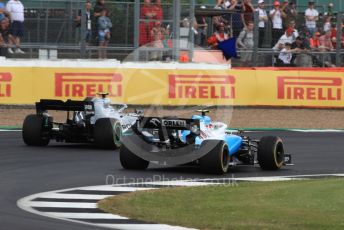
pixel 93 120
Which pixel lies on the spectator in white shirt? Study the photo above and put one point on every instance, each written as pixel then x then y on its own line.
pixel 276 15
pixel 222 4
pixel 16 11
pixel 312 16
pixel 287 37
pixel 327 24
pixel 285 56
pixel 263 18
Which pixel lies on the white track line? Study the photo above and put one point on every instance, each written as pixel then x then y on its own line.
pixel 270 178
pixel 144 226
pixel 42 204
pixel 73 196
pixel 179 183
pixel 27 204
pixel 72 215
pixel 315 175
pixel 263 179
pixel 317 130
pixel 5 130
pixel 113 188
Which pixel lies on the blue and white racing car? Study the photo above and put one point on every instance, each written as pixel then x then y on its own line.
pixel 199 140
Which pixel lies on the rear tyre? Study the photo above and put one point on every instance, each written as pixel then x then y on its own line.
pixel 130 161
pixel 217 160
pixel 107 133
pixel 33 130
pixel 270 153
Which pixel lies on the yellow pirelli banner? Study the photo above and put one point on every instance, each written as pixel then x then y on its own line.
pixel 249 87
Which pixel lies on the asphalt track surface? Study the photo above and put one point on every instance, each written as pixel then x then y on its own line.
pixel 29 170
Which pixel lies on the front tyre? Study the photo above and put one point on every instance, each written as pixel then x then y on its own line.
pixel 217 160
pixel 130 161
pixel 270 153
pixel 33 130
pixel 107 133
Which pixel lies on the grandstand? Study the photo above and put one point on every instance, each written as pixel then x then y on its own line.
pixel 50 25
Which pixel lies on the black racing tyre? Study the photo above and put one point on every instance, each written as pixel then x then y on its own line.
pixel 130 161
pixel 33 131
pixel 107 133
pixel 217 160
pixel 270 153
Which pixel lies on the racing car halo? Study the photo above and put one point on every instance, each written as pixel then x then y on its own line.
pixel 94 120
pixel 176 141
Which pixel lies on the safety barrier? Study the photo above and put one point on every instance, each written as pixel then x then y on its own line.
pixel 176 86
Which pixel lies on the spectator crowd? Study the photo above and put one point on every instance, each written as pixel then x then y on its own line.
pixel 294 41
pixel 98 25
pixel 97 29
pixel 11 26
pixel 294 47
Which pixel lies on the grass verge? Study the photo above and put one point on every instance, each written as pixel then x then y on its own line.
pixel 10 128
pixel 308 204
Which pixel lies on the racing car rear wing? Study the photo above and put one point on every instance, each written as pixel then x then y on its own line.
pixel 68 105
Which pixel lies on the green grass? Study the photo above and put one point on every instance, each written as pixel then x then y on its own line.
pixel 10 127
pixel 308 204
